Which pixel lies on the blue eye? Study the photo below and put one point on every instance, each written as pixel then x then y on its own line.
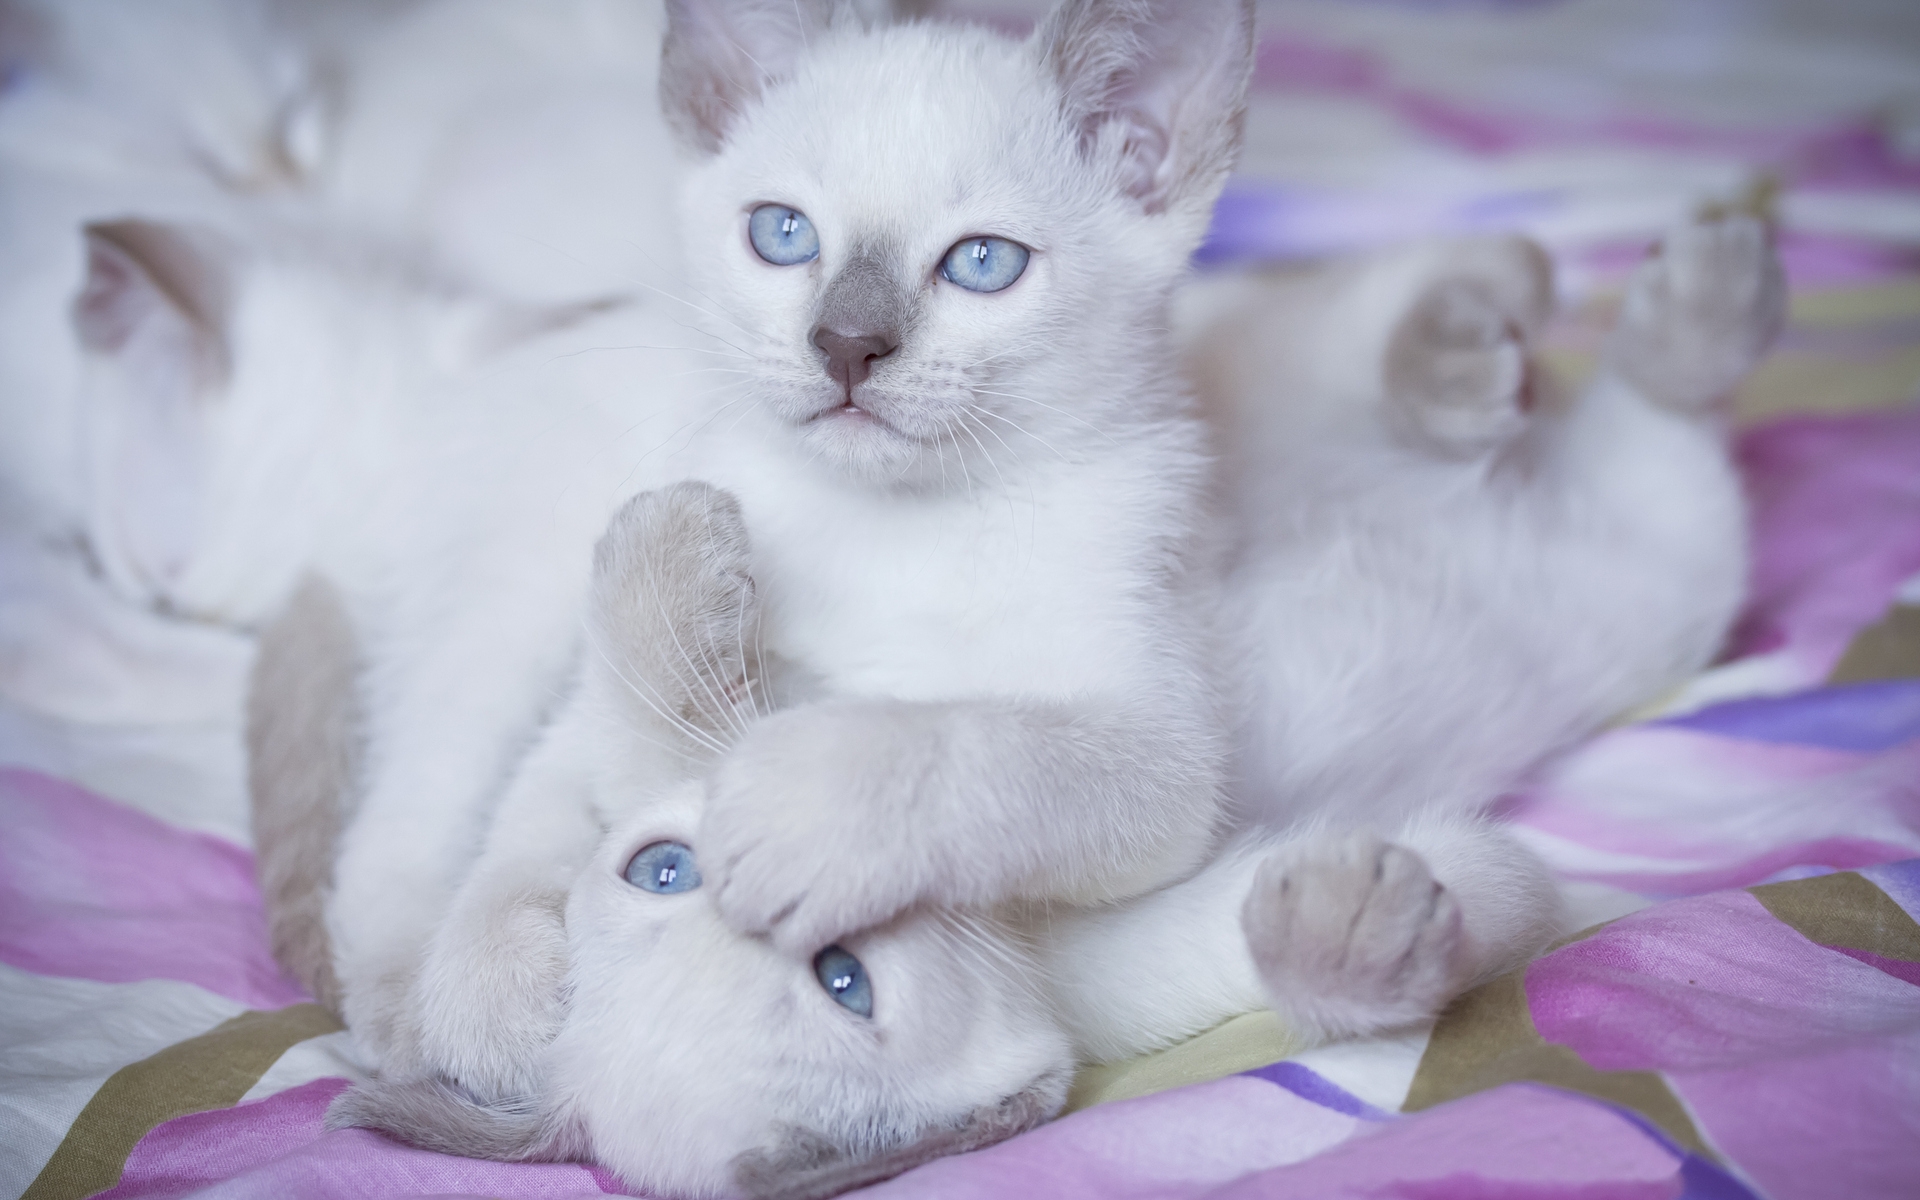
pixel 845 980
pixel 781 235
pixel 664 867
pixel 984 264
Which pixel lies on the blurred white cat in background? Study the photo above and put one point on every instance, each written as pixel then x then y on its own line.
pixel 1436 570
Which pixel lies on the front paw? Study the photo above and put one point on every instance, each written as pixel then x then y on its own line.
pixel 1354 936
pixel 674 607
pixel 808 833
pixel 1700 312
pixel 488 999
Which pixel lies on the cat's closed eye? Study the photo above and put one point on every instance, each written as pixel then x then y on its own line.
pixel 663 867
pixel 783 236
pixel 845 980
pixel 984 264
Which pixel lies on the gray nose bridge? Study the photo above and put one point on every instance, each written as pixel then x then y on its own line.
pixel 867 299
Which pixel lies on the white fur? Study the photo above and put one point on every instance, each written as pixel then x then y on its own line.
pixel 971 676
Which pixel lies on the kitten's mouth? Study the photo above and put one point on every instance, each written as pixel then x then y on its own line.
pixel 851 411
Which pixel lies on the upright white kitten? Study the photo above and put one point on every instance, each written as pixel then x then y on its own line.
pixel 973 499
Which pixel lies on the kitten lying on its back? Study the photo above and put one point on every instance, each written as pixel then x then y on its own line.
pixel 1445 571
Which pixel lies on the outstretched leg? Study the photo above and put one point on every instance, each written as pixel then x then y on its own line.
pixel 1339 935
pixel 1357 934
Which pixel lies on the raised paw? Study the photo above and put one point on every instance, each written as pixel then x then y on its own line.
pixel 1353 936
pixel 1456 370
pixel 1699 312
pixel 674 607
pixel 810 829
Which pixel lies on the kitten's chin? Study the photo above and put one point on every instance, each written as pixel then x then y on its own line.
pixel 862 446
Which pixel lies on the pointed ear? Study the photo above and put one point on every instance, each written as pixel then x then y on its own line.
pixel 153 312
pixel 719 55
pixel 161 280
pixel 436 1115
pixel 1159 85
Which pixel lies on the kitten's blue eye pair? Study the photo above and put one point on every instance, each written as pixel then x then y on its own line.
pixel 845 980
pixel 664 868
pixel 784 237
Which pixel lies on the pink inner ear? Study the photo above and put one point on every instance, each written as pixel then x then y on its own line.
pixel 115 299
pixel 1145 158
pixel 145 419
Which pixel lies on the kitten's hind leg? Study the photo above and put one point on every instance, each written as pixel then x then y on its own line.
pixel 1455 373
pixel 1357 934
pixel 1699 312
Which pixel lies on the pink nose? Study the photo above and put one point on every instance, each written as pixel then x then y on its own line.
pixel 850 355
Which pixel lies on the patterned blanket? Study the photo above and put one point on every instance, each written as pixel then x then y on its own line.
pixel 1742 1018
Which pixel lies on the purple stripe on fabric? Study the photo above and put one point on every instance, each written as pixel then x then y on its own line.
pixel 1706 982
pixel 1908 971
pixel 1901 882
pixel 1840 1119
pixel 1836 516
pixel 1160 1147
pixel 1703 1180
pixel 1257 222
pixel 277 1147
pixel 1520 1140
pixel 1700 1179
pixel 1309 1085
pixel 1799 1065
pixel 1862 717
pixel 1828 854
pixel 1848 154
pixel 1811 260
pixel 90 889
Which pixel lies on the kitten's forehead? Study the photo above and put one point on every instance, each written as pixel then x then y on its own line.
pixel 894 128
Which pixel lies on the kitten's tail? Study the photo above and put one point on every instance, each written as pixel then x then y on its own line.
pixel 303 765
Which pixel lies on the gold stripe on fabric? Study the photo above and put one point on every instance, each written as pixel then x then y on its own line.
pixel 1843 909
pixel 1487 1038
pixel 1246 1042
pixel 1888 649
pixel 210 1071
